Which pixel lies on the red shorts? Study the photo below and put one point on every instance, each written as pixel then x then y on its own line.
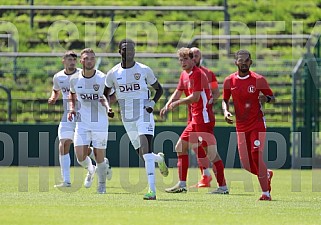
pixel 250 141
pixel 196 133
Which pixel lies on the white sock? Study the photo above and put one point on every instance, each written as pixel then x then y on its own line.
pixel 266 193
pixel 92 154
pixel 157 158
pixel 207 172
pixel 182 183
pixel 150 170
pixel 102 172
pixel 87 164
pixel 65 167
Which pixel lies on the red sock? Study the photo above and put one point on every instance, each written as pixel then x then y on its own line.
pixel 218 168
pixel 202 160
pixel 182 165
pixel 261 169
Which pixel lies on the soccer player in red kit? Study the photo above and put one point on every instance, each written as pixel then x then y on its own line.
pixel 194 84
pixel 245 87
pixel 202 159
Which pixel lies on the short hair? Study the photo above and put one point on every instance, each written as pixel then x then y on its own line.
pixel 183 52
pixel 126 40
pixel 242 52
pixel 69 53
pixel 87 50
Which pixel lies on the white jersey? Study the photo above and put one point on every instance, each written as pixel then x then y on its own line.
pixel 131 87
pixel 91 114
pixel 61 82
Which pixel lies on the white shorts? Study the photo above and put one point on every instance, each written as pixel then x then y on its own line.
pixel 97 138
pixel 66 130
pixel 139 127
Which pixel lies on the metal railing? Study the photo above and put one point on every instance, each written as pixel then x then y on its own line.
pixel 113 9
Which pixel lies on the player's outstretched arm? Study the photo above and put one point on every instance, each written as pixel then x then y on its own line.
pixel 54 96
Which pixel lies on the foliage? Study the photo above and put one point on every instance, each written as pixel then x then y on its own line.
pixel 154 32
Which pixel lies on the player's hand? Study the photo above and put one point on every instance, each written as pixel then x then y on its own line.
pixel 110 113
pixel 211 101
pixel 163 112
pixel 71 115
pixel 149 106
pixel 262 99
pixel 51 101
pixel 227 117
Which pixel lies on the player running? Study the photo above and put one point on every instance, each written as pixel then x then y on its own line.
pixel 130 80
pixel 245 87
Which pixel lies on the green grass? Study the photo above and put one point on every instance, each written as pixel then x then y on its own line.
pixel 27 196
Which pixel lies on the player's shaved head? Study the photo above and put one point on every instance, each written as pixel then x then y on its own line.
pixel 127 41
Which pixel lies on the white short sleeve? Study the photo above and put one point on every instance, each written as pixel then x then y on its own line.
pixel 151 79
pixel 109 79
pixel 56 86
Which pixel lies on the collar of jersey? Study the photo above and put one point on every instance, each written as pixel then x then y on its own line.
pixel 242 78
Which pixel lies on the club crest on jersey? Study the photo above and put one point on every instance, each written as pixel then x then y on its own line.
pixel 251 89
pixel 137 76
pixel 96 87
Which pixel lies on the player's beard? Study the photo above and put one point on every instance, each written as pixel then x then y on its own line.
pixel 244 69
pixel 89 67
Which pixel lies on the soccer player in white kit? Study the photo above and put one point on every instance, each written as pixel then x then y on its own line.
pixel 66 128
pixel 130 81
pixel 91 117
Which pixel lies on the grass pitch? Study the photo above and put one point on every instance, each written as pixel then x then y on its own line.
pixel 27 196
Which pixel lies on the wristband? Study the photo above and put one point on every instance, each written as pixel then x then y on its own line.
pixel 268 99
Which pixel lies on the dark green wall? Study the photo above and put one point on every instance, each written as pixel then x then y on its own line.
pixel 37 145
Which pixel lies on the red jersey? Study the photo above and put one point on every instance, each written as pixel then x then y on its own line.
pixel 192 82
pixel 245 92
pixel 212 82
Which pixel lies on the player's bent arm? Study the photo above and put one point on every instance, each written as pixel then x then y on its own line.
pixel 226 112
pixel 54 96
pixel 194 97
pixel 159 91
pixel 215 94
pixel 266 99
pixel 106 100
pixel 174 97
pixel 72 97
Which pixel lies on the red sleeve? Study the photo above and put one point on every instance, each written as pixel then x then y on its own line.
pixel 199 81
pixel 264 87
pixel 212 80
pixel 227 88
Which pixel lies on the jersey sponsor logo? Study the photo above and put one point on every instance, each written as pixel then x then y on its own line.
pixel 79 87
pixel 65 89
pixel 251 89
pixel 129 87
pixel 233 88
pixel 150 127
pixel 96 87
pixel 89 96
pixel 119 78
pixel 137 76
